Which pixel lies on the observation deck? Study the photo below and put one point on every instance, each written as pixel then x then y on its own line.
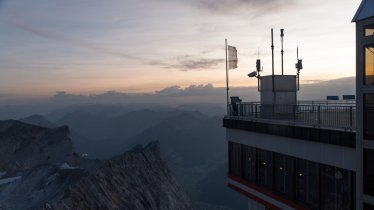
pixel 340 114
pixel 324 121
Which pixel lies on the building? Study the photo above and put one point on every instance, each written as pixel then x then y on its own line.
pixel 289 154
pixel 364 19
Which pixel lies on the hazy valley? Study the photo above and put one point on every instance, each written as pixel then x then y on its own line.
pixel 191 136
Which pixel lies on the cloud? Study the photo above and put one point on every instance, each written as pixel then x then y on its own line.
pixel 192 90
pixel 170 90
pixel 186 63
pixel 312 91
pixel 311 81
pixel 155 63
pixel 234 6
pixel 69 40
pixel 201 90
pixel 169 97
pixel 200 64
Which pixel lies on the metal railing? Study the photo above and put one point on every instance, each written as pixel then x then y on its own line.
pixel 334 115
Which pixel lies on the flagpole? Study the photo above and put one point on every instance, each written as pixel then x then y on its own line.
pixel 227 81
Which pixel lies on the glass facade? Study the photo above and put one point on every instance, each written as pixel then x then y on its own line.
pixel 369 30
pixel 265 169
pixel 307 183
pixel 336 188
pixel 369 172
pixel 369 65
pixel 284 179
pixel 310 184
pixel 235 152
pixel 249 164
pixel 369 116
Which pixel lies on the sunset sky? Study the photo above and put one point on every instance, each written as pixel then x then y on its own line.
pixel 92 46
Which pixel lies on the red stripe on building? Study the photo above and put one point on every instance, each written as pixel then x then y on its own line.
pixel 262 191
pixel 253 197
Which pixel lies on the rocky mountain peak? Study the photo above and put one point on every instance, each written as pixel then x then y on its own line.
pixel 24 146
pixel 38 120
pixel 138 179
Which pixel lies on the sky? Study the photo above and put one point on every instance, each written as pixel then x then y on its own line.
pixel 94 46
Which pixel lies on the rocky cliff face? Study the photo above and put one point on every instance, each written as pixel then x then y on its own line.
pixel 38 170
pixel 138 179
pixel 25 146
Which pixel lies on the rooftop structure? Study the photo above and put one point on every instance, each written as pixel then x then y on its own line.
pixel 364 11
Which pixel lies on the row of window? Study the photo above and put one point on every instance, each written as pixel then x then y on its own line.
pixel 369 65
pixel 368 172
pixel 311 184
pixel 368 159
pixel 369 116
pixel 369 30
pixel 369 56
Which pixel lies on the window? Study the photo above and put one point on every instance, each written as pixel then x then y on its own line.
pixel 369 116
pixel 369 30
pixel 235 167
pixel 284 172
pixel 265 169
pixel 336 188
pixel 307 183
pixel 249 164
pixel 369 65
pixel 369 171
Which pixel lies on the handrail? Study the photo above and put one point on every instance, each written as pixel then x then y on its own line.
pixel 319 115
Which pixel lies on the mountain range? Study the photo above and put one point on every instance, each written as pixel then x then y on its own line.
pixel 193 145
pixel 187 122
pixel 40 170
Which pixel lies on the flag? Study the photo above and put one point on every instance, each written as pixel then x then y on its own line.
pixel 233 57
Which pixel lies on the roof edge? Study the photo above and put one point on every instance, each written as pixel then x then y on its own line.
pixel 358 11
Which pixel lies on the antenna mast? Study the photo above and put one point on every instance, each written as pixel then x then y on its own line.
pixel 282 51
pixel 258 69
pixel 272 57
pixel 299 66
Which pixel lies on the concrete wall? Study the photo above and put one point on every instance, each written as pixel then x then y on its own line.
pixel 284 89
pixel 282 83
pixel 339 156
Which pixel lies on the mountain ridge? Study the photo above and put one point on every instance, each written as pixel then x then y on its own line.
pixel 137 179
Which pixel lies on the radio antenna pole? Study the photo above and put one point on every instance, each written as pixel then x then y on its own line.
pixel 282 51
pixel 272 57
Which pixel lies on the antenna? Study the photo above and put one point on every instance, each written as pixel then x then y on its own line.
pixel 258 65
pixel 259 69
pixel 272 57
pixel 299 66
pixel 297 53
pixel 282 51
